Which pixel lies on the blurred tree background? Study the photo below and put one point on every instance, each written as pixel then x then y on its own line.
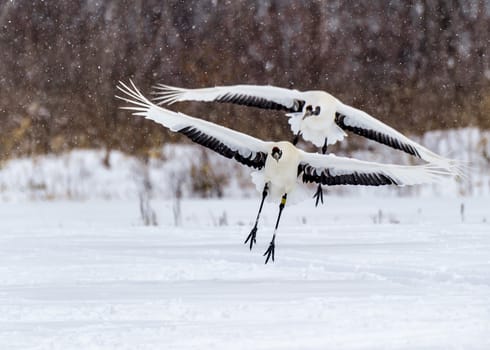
pixel 415 64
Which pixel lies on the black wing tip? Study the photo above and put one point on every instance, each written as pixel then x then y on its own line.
pixel 255 160
pixel 325 177
pixel 376 136
pixel 259 102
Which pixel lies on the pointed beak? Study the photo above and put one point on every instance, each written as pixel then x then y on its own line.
pixel 277 155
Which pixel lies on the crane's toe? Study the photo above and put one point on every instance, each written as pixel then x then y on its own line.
pixel 251 237
pixel 318 195
pixel 269 253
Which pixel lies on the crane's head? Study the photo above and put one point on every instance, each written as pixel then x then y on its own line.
pixel 276 153
pixel 319 103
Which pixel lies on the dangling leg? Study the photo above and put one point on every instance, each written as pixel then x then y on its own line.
pixel 270 251
pixel 253 233
pixel 319 192
pixel 296 139
pixel 324 148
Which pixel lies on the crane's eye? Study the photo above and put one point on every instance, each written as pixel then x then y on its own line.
pixel 317 110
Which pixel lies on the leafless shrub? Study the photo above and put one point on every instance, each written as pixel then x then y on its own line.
pixel 207 180
pixel 177 180
pixel 147 213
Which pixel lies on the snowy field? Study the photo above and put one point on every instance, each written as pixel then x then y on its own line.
pixel 358 273
pixel 82 175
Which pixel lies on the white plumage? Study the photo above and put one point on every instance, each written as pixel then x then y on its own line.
pixel 282 169
pixel 316 115
pixel 245 148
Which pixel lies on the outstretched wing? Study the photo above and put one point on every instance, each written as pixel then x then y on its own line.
pixel 266 97
pixel 331 170
pixel 229 143
pixel 361 123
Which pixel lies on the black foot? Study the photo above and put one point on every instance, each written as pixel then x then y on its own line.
pixel 270 252
pixel 251 237
pixel 296 139
pixel 318 195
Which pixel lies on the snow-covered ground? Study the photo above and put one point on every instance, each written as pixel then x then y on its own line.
pixel 370 270
pixel 358 273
